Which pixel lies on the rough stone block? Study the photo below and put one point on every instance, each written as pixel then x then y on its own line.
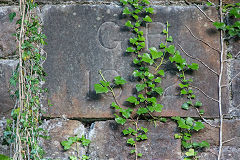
pixel 7 28
pixel 108 142
pixel 228 153
pixel 231 134
pixel 84 39
pixel 4 149
pixel 6 69
pixel 60 130
pixel 235 111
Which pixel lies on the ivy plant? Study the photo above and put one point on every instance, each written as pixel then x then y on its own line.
pixel 67 144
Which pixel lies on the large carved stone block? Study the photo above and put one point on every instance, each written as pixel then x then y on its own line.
pixel 7 28
pixel 6 69
pixel 84 39
pixel 108 142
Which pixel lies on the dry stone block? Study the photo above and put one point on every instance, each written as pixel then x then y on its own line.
pixel 84 39
pixel 60 130
pixel 6 69
pixel 4 149
pixel 228 153
pixel 7 28
pixel 108 142
pixel 231 131
pixel 235 88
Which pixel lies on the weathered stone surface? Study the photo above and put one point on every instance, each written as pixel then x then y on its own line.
pixel 4 149
pixel 235 110
pixel 231 133
pixel 85 39
pixel 7 28
pixel 6 69
pixel 60 130
pixel 108 142
pixel 228 153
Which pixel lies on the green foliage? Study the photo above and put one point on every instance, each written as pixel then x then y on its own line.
pixel 71 140
pixel 11 16
pixel 3 157
pixel 30 76
pixel 231 30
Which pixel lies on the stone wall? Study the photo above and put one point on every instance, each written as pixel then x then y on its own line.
pixel 85 36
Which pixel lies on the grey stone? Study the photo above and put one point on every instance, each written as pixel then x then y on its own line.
pixel 108 142
pixel 6 69
pixel 4 149
pixel 236 87
pixel 228 153
pixel 7 28
pixel 60 130
pixel 84 39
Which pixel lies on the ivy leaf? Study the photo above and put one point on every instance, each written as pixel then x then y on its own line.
pixel 139 154
pixel 133 99
pixel 85 142
pixel 204 144
pixel 126 113
pixel 209 3
pixel 161 72
pixel 126 11
pixel 185 106
pixel 162 45
pixel 164 120
pixel 158 107
pixel 147 19
pixel 130 49
pixel 129 24
pixel 190 153
pixel 115 106
pixel 193 66
pixel 158 80
pixel 165 31
pixel 170 49
pixel 142 110
pixel 125 132
pixel 136 17
pixel 11 16
pixel 124 2
pixel 146 2
pixel 159 90
pixel 198 126
pixel 119 119
pixel 140 87
pixel 66 144
pixel 131 141
pixel 220 25
pixel 145 130
pixel 177 136
pixel 146 58
pixel 155 54
pixel 198 104
pixel 119 80
pixel 132 151
pixel 170 39
pixel 183 91
pixel 149 10
pixel 189 121
pixel 100 89
pixel 201 111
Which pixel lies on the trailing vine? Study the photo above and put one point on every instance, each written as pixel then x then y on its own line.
pixel 23 131
pixel 149 75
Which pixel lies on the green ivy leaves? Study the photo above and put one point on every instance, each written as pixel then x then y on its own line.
pixel 67 144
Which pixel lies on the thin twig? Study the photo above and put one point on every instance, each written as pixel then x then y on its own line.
pixel 205 119
pixel 219 85
pixel 198 60
pixel 201 40
pixel 205 93
pixel 229 140
pixel 231 80
pixel 204 14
